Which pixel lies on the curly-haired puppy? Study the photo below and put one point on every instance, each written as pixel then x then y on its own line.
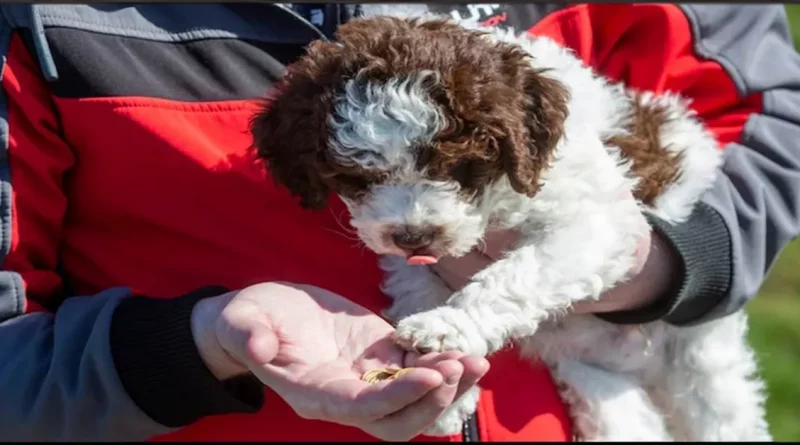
pixel 433 133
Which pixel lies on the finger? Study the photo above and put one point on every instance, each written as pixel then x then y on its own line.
pixel 474 370
pixel 474 367
pixel 348 400
pixel 430 359
pixel 414 418
pixel 246 335
pixel 262 346
pixel 378 400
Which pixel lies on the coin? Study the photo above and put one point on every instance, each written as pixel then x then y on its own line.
pixel 401 372
pixel 378 375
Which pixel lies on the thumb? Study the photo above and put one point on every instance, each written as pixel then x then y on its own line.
pixel 245 333
pixel 263 346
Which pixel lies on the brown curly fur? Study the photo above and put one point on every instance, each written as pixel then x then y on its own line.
pixel 503 116
pixel 656 167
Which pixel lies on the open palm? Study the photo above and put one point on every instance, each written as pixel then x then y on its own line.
pixel 312 347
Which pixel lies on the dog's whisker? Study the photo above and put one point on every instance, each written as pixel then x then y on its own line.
pixel 339 222
pixel 343 235
pixel 346 232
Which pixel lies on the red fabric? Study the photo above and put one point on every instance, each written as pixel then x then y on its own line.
pixel 39 157
pixel 160 196
pixel 650 47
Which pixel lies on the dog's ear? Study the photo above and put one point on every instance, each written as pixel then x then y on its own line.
pixel 290 131
pixel 536 129
pixel 289 151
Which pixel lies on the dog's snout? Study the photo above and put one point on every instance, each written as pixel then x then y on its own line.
pixel 412 238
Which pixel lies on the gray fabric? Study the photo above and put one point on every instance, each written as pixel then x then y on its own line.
pixel 58 381
pixel 160 22
pixel 759 194
pixel 171 22
pixel 12 300
pixel 12 295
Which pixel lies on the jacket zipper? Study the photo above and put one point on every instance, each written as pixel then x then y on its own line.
pixel 302 19
pixel 469 430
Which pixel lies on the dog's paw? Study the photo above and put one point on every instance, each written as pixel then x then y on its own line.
pixel 451 421
pixel 438 330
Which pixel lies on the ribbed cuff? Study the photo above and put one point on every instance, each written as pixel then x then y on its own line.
pixel 704 246
pixel 158 363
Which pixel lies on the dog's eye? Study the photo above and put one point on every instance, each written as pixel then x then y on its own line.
pixel 423 148
pixel 472 176
pixel 353 184
pixel 359 196
pixel 461 172
pixel 423 153
pixel 356 185
pixel 368 157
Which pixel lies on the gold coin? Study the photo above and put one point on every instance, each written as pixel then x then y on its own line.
pixel 378 375
pixel 372 376
pixel 401 372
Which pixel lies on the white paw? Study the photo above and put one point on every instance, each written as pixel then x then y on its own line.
pixel 451 421
pixel 440 329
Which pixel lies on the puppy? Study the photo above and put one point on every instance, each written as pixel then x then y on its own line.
pixel 434 133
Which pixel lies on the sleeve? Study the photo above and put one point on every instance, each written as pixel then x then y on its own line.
pixel 105 367
pixel 738 66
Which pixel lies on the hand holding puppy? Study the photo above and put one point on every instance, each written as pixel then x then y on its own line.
pixel 655 271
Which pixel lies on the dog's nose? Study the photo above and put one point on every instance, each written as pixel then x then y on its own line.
pixel 412 238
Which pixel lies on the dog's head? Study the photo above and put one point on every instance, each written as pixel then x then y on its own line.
pixel 409 121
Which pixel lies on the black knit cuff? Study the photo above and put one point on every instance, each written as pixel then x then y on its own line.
pixel 704 246
pixel 158 363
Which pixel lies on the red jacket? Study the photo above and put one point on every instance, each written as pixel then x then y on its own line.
pixel 127 173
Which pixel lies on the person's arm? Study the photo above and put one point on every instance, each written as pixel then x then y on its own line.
pixel 738 65
pixel 105 367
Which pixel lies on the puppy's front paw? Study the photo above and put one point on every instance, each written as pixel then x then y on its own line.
pixel 440 329
pixel 451 421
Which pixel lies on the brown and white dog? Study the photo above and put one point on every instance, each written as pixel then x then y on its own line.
pixel 435 132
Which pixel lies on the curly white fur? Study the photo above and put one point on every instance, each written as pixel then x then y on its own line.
pixel 658 382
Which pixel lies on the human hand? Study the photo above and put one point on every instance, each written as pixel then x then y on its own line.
pixel 654 271
pixel 312 346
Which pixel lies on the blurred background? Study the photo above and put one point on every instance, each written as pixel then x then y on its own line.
pixel 775 324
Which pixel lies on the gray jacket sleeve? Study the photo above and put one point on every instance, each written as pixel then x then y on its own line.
pixel 110 367
pixel 58 380
pixel 753 210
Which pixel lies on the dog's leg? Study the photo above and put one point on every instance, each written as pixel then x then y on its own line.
pixel 412 288
pixel 554 268
pixel 451 421
pixel 713 384
pixel 415 289
pixel 608 406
